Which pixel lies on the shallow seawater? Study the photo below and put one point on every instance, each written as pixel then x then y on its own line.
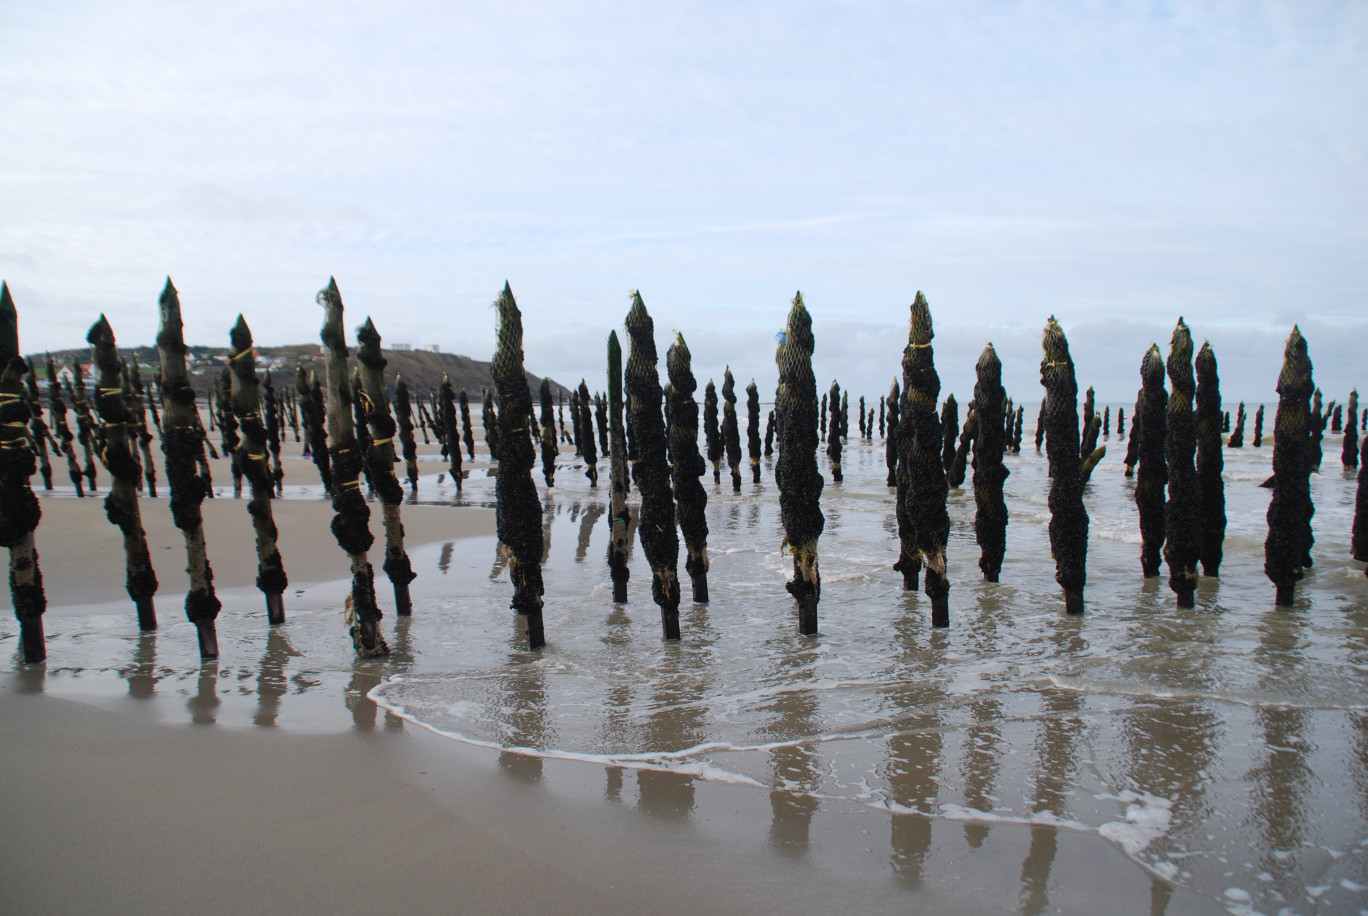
pixel 1223 749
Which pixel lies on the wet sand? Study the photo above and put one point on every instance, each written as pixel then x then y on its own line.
pixel 163 785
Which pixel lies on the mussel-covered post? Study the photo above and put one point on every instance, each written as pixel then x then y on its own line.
pixel 38 428
pixel 659 540
pixel 921 442
pixel 1349 454
pixel 252 458
pixel 712 432
pixel 1289 513
pixel 619 538
pixel 403 408
pixel 990 516
pixel 489 419
pixel 753 429
pixel 1148 432
pixel 351 515
pixel 687 465
pixel 19 511
pixel 585 420
pixel 731 428
pixel 519 517
pixel 315 432
pixel 183 448
pixel 770 430
pixel 1258 427
pixel 57 411
pixel 891 438
pixel 467 435
pixel 1237 434
pixel 85 422
pixel 1068 517
pixel 381 459
pixel 834 432
pixel 1210 463
pixel 121 505
pixel 549 446
pixel 795 473
pixel 137 407
pixel 450 432
pixel 1182 535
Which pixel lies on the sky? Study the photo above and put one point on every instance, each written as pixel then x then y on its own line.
pixel 1115 164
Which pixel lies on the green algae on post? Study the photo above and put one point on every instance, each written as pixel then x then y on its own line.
pixel 519 516
pixel 351 515
pixel 381 459
pixel 1210 463
pixel 1288 544
pixel 659 539
pixel 619 535
pixel 121 505
pixel 246 406
pixel 19 510
pixel 1068 517
pixel 920 454
pixel 795 473
pixel 687 465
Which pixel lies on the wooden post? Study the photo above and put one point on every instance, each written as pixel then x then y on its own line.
pixel 800 484
pixel 381 459
pixel 1148 433
pixel 18 505
pixel 687 465
pixel 182 445
pixel 620 537
pixel 351 518
pixel 519 517
pixel 121 505
pixel 990 474
pixel 1288 544
pixel 1068 517
pixel 253 458
pixel 659 538
pixel 1182 538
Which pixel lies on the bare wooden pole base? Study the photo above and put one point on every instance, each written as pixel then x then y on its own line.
pixel 669 623
pixel 275 609
pixel 403 604
pixel 147 613
pixel 990 577
pixel 807 615
pixel 1187 599
pixel 536 634
pixel 700 588
pixel 1285 595
pixel 940 612
pixel 372 643
pixel 208 639
pixel 1073 602
pixel 32 640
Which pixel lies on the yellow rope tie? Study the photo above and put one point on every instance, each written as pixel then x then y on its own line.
pixel 351 484
pixel 382 441
pixel 367 404
pixel 257 456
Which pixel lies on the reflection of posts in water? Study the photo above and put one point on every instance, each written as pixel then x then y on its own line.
pixel 142 673
pixel 1059 731
pixel 549 511
pixel 271 681
pixel 912 769
pixel 619 733
pixel 1282 782
pixel 444 561
pixel 677 696
pixel 982 757
pixel 588 520
pixel 520 707
pixel 204 704
pixel 501 555
pixel 363 709
pixel 794 765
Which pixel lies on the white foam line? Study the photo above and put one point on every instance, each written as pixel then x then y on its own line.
pixel 1178 693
